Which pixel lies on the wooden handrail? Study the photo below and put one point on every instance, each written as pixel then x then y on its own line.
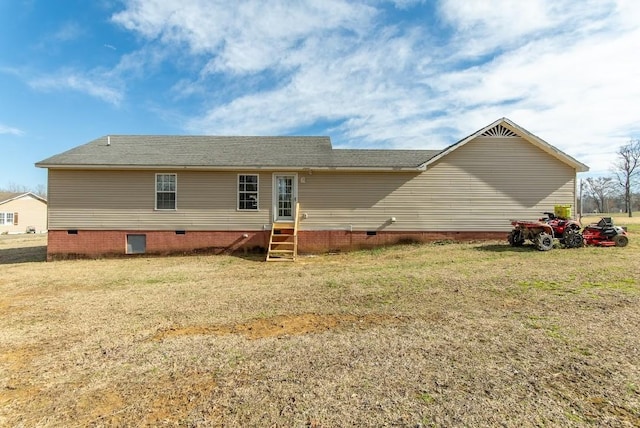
pixel 295 225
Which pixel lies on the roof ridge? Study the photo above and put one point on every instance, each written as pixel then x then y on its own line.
pixel 212 136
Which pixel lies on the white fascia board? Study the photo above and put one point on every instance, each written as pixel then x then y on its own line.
pixel 232 168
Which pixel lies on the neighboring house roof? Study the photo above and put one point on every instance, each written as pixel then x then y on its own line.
pixel 10 196
pixel 275 153
pixel 505 127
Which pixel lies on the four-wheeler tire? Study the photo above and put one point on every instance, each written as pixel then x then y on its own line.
pixel 516 238
pixel 620 240
pixel 544 241
pixel 573 239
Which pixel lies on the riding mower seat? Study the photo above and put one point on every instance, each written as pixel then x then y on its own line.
pixel 605 222
pixel 606 226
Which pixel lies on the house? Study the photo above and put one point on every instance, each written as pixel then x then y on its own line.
pixel 22 212
pixel 160 194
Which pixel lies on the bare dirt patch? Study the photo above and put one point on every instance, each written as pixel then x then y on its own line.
pixel 166 400
pixel 283 325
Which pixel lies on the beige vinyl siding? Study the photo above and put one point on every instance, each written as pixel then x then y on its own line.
pixel 125 200
pixel 478 187
pixel 31 212
pixel 358 201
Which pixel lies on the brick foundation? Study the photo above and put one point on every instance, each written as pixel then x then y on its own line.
pixel 340 240
pixel 110 243
pixel 105 243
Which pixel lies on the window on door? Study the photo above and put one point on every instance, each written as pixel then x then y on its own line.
pixel 285 196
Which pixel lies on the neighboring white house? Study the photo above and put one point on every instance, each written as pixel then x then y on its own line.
pixel 22 213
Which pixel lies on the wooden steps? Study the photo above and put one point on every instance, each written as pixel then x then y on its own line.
pixel 283 244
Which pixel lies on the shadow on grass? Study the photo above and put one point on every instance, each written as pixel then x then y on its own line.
pixel 252 257
pixel 23 255
pixel 505 248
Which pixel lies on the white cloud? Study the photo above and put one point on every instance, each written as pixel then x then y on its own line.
pixel 506 18
pixel 482 27
pixel 576 92
pixel 564 70
pixel 245 36
pixel 94 86
pixel 4 129
pixel 366 81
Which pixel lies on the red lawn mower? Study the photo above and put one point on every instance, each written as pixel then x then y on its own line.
pixel 605 234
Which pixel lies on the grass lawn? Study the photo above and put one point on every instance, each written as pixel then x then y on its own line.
pixel 456 334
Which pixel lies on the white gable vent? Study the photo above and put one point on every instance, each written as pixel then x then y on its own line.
pixel 499 131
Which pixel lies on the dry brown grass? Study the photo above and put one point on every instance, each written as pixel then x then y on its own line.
pixel 475 334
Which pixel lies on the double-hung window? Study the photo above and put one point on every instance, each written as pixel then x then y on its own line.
pixel 166 191
pixel 247 192
pixel 6 218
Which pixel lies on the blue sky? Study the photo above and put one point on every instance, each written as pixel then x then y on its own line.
pixel 370 73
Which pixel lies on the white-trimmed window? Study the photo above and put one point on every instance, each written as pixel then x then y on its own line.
pixel 8 219
pixel 247 192
pixel 166 191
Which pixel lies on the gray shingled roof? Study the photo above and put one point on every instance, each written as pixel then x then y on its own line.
pixel 382 158
pixel 230 152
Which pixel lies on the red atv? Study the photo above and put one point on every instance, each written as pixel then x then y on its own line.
pixel 605 234
pixel 543 232
pixel 566 230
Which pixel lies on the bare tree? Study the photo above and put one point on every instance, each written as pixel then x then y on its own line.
pixel 600 189
pixel 40 189
pixel 16 188
pixel 627 168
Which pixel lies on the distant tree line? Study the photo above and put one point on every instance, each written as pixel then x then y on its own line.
pixel 618 192
pixel 40 189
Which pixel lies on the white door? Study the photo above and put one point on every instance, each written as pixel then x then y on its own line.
pixel 285 195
